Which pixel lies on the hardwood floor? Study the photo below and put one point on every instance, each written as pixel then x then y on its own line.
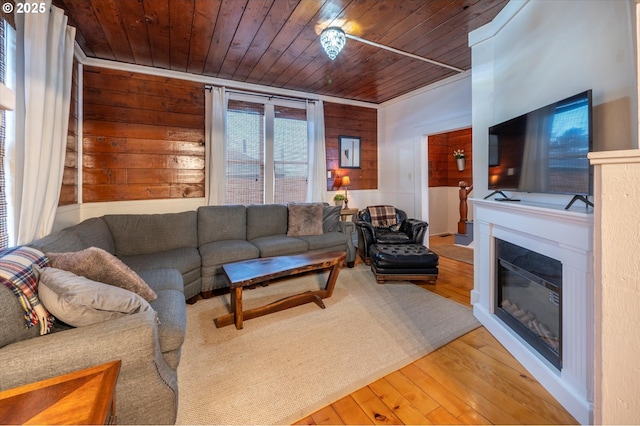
pixel 472 380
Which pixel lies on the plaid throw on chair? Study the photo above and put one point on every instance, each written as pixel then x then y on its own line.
pixel 383 216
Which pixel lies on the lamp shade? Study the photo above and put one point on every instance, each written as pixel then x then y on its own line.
pixel 332 40
pixel 346 181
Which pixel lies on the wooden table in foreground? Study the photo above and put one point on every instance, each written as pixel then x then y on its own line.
pixel 85 397
pixel 259 271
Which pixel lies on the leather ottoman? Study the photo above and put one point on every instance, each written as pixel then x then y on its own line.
pixel 403 262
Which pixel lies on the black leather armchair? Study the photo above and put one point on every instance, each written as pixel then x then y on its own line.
pixel 405 231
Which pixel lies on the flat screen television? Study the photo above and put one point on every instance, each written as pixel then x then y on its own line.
pixel 545 151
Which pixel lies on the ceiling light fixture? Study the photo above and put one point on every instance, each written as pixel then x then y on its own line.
pixel 332 40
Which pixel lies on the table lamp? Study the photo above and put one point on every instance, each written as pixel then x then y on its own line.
pixel 346 181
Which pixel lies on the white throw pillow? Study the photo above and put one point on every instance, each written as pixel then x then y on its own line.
pixel 79 301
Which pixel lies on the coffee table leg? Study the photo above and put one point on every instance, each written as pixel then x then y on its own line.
pixel 236 305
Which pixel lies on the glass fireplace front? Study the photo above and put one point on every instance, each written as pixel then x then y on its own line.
pixel 529 298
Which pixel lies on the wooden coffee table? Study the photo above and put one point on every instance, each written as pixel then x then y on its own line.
pixel 259 271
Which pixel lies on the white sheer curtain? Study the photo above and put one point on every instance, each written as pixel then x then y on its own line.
pixel 317 187
pixel 216 102
pixel 44 64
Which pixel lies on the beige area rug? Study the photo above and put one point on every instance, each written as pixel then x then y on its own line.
pixel 463 254
pixel 286 365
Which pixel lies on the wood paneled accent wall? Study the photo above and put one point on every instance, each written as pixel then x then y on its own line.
pixel 143 137
pixel 347 120
pixel 69 189
pixel 442 165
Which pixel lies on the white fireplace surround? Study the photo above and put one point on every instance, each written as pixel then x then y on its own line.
pixel 563 235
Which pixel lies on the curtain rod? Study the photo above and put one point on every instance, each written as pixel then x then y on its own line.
pixel 265 95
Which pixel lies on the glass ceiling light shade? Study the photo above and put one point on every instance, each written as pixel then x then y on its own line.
pixel 332 40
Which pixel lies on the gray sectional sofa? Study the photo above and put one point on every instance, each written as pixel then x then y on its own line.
pixel 180 256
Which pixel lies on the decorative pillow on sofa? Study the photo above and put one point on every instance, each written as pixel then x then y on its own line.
pixel 79 301
pixel 17 274
pixel 331 218
pixel 304 219
pixel 100 265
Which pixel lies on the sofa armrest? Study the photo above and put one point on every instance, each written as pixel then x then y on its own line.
pixel 348 228
pixel 146 388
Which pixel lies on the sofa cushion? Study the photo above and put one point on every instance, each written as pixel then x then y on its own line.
pixel 264 220
pixel 185 260
pixel 304 219
pixel 217 223
pixel 163 279
pixel 61 241
pixel 93 232
pixel 280 245
pixel 17 273
pixel 222 252
pixel 79 301
pixel 328 240
pixel 331 218
pixel 135 234
pixel 99 265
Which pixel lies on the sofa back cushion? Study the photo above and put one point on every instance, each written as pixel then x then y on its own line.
pixel 264 220
pixel 151 233
pixel 94 232
pixel 64 240
pixel 221 223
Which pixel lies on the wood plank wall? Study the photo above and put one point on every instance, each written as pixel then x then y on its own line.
pixel 443 170
pixel 143 137
pixel 347 120
pixel 69 189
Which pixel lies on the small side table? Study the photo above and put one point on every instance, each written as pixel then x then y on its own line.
pixel 85 397
pixel 347 213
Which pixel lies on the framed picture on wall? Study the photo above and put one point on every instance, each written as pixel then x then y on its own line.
pixel 349 152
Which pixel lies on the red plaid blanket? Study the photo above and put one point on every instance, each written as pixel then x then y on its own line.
pixel 17 274
pixel 383 216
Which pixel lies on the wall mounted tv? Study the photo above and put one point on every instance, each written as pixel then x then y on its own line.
pixel 544 151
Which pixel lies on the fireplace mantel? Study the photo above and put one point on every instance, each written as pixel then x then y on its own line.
pixel 563 235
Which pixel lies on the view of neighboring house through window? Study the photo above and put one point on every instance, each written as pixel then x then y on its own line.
pixel 267 152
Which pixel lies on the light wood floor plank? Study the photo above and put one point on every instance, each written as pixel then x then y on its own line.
pixel 472 417
pixel 400 406
pixel 375 409
pixel 350 412
pixel 326 416
pixel 446 399
pixel 419 398
pixel 440 416
pixel 484 398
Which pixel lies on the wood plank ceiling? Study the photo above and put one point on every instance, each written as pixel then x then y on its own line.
pixel 276 43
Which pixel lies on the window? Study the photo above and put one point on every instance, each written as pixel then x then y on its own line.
pixel 267 152
pixel 7 77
